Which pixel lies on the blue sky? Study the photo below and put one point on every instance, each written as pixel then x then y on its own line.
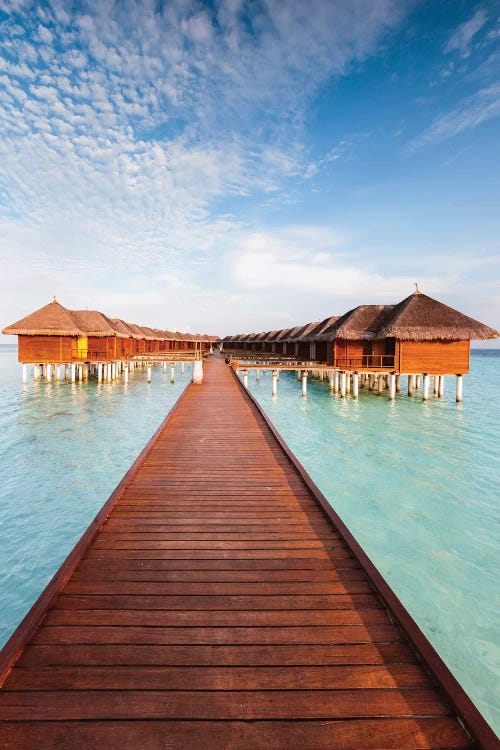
pixel 240 166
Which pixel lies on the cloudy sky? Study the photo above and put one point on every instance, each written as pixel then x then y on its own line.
pixel 234 166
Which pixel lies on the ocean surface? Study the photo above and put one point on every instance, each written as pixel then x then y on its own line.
pixel 419 487
pixel 63 449
pixel 417 484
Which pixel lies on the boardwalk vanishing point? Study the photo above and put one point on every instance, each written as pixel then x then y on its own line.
pixel 217 601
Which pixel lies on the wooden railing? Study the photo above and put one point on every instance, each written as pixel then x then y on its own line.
pixel 366 362
pixel 91 355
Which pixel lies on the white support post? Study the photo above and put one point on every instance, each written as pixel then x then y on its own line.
pixel 99 372
pixel 330 380
pixel 182 368
pixel 48 373
pixel 411 384
pixel 57 373
pixel 441 386
pixel 336 381
pixel 321 375
pixel 425 387
pixel 372 381
pixel 459 388
pixel 343 387
pixel 245 378
pixel 198 371
pixel 172 372
pixel 392 386
pixel 304 383
pixel 355 385
pixel 25 373
pixel 73 372
pixel 36 373
pixel 299 375
pixel 80 372
pixel 274 391
pixel 257 374
pixel 436 384
pixel 348 384
pixel 381 383
pixel 149 373
pixel 164 367
pixel 125 373
pixel 398 383
pixel 417 382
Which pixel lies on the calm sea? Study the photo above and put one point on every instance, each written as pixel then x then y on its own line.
pixel 417 484
pixel 419 487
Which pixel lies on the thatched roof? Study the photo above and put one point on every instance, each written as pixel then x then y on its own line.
pixel 317 332
pixel 292 333
pixel 304 331
pixel 359 323
pixel 421 318
pixel 122 327
pixel 95 323
pixel 51 320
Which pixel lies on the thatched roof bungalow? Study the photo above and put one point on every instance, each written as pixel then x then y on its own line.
pixel 427 336
pixel 49 334
pixel 56 335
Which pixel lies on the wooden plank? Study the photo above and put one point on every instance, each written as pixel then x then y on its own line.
pixel 227 705
pixel 366 633
pixel 114 601
pixel 379 734
pixel 200 618
pixel 219 678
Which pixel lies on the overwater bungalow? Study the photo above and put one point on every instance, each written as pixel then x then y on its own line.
pixel 348 343
pixel 48 335
pixel 426 336
pixel 89 340
pixel 100 340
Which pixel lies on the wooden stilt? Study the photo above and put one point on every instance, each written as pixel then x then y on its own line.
pixel 441 386
pixel 392 386
pixel 343 384
pixel 459 392
pixel 304 383
pixel 355 385
pixel 274 391
pixel 425 387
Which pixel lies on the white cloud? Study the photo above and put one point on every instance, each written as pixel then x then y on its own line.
pixel 462 36
pixel 472 111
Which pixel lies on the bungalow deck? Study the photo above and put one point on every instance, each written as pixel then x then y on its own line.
pixel 217 601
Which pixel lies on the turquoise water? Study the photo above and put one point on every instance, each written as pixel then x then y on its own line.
pixel 63 449
pixel 418 485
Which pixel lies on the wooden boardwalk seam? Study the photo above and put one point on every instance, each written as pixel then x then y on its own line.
pixel 214 604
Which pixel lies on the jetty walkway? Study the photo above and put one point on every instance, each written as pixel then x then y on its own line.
pixel 214 604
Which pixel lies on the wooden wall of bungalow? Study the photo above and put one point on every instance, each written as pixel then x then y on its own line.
pixel 404 357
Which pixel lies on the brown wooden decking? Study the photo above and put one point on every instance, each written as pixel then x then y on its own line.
pixel 218 607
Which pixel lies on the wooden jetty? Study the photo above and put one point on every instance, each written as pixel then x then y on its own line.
pixel 218 601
